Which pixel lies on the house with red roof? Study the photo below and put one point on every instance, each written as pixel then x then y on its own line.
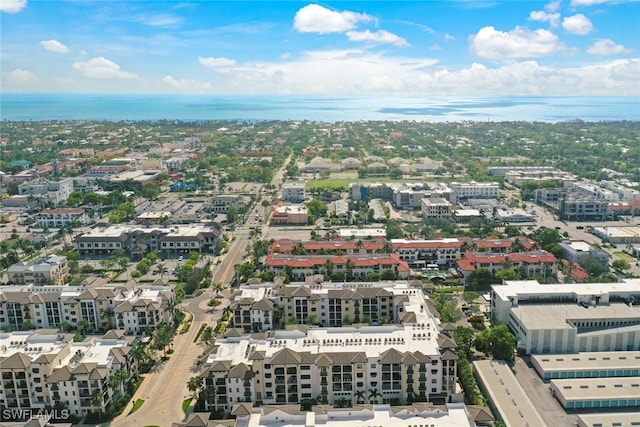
pixel 526 264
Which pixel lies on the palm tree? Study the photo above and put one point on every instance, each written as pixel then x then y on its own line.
pixel 97 399
pixel 162 270
pixel 107 315
pixel 328 266
pixel 374 394
pixel 83 325
pixel 194 384
pixel 360 396
pixel 219 288
pixel 138 353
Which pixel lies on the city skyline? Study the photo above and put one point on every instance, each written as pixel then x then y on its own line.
pixel 465 48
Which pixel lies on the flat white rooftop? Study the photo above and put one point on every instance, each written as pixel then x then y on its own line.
pixel 587 361
pixel 597 388
pixel 530 288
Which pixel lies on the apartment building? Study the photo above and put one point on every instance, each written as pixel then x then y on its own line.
pixel 475 190
pixel 334 247
pixel 252 308
pixel 421 253
pixel 173 239
pixel 46 369
pixel 569 318
pixel 293 192
pixel 59 218
pixel 384 364
pixel 40 271
pixel 96 308
pixel 54 192
pixel 526 264
pixel 352 266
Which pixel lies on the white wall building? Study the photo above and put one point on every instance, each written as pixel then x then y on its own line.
pixel 293 192
pixel 475 190
pixel 40 271
pixel 59 218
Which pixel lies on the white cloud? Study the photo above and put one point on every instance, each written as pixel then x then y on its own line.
pixel 577 24
pixel 219 64
pixel 606 47
pixel 19 79
pixel 552 6
pixel 186 85
pixel 542 16
pixel 435 47
pixel 54 46
pixel 161 20
pixel 12 6
pixel 448 37
pixel 592 2
pixel 314 18
pixel 102 68
pixel 380 36
pixel 517 43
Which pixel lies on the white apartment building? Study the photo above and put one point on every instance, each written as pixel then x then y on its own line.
pixel 475 190
pixel 40 271
pixel 436 208
pixel 293 192
pixel 569 318
pixel 54 192
pixel 221 203
pixel 393 363
pixel 593 190
pixel 132 310
pixel 41 370
pixel 59 218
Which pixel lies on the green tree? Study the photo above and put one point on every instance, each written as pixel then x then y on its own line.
pixel 194 384
pixel 207 337
pixel 481 278
pixel 505 274
pixel 394 229
pixel 464 339
pixel 97 400
pixel 347 319
pixel 317 208
pixel 498 342
pixel 621 264
pixel 593 265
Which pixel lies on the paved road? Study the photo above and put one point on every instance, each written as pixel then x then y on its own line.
pixel 165 388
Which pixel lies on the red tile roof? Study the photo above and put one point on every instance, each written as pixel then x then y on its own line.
pixel 301 261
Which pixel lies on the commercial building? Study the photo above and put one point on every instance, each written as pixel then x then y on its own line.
pixel 43 369
pixel 421 253
pixel 290 215
pixel 173 239
pixel 597 393
pixel 436 208
pixel 221 203
pixel 587 365
pixel 59 218
pixel 573 250
pixel 569 318
pixel 512 215
pixel 40 271
pixel 293 192
pixel 335 247
pixel 619 235
pixel 358 267
pixel 602 419
pixel 475 190
pixel 572 205
pixel 99 308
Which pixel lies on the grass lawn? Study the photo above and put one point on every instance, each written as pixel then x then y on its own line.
pixel 626 257
pixel 185 405
pixel 138 403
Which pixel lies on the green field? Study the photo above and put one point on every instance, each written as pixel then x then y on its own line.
pixel 343 183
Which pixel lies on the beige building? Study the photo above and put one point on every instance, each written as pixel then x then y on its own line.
pixel 40 271
pixel 290 215
pixel 48 369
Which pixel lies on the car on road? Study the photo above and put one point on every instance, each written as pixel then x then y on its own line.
pixel 579 227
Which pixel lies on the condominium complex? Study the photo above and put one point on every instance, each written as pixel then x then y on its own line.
pixel 45 369
pixel 405 360
pixel 525 264
pixel 40 271
pixel 568 318
pixel 54 192
pixel 174 239
pixel 98 308
pixel 354 266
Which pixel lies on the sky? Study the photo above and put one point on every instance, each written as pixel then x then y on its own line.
pixel 404 48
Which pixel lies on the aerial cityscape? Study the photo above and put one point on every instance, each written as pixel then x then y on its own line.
pixel 360 214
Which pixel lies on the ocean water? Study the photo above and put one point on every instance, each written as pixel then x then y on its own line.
pixel 117 107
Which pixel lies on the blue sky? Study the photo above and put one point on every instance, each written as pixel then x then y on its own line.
pixel 457 47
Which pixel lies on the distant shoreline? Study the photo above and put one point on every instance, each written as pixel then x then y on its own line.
pixel 143 107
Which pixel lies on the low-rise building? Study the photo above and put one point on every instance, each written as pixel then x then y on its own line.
pixel 221 203
pixel 525 264
pixel 47 369
pixel 173 239
pixel 597 393
pixel 587 365
pixel 293 192
pixel 348 266
pixel 420 253
pixel 54 192
pixel 573 250
pixel 475 190
pixel 40 271
pixel 515 215
pixel 59 218
pixel 335 247
pixel 436 208
pixel 290 215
